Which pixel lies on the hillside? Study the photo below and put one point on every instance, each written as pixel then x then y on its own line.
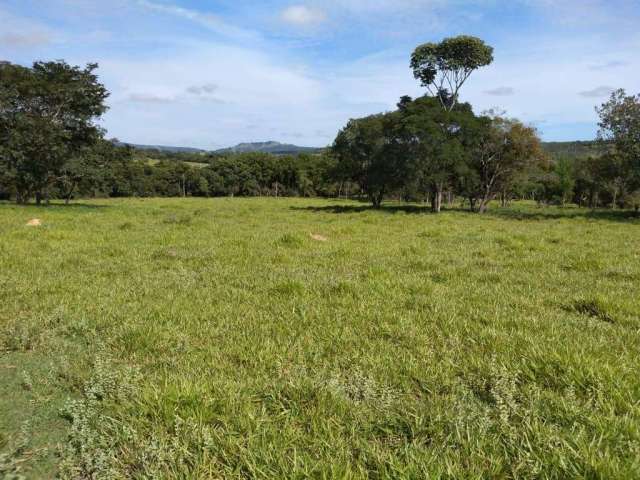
pixel 574 149
pixel 160 148
pixel 275 148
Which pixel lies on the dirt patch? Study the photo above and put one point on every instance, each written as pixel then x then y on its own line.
pixel 318 238
pixel 36 222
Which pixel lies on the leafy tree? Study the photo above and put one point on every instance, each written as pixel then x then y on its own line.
pixel 444 67
pixel 620 125
pixel 47 115
pixel 365 156
pixel 566 179
pixel 505 148
pixel 431 140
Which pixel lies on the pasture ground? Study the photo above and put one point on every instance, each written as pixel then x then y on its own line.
pixel 215 338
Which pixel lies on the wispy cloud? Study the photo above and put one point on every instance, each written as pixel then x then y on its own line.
pixel 602 91
pixel 22 39
pixel 206 20
pixel 303 16
pixel 608 65
pixel 501 91
pixel 149 98
pixel 205 89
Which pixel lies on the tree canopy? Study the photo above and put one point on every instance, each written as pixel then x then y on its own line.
pixel 444 67
pixel 47 115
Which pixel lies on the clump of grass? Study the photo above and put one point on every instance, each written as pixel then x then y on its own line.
pixel 126 226
pixel 11 461
pixel 175 219
pixel 291 240
pixel 289 288
pixel 594 308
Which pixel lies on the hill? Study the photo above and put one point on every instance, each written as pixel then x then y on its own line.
pixel 575 149
pixel 161 148
pixel 275 148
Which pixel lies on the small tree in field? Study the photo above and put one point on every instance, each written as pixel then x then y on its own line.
pixel 620 125
pixel 444 67
pixel 504 149
pixel 365 155
pixel 47 115
pixel 566 179
pixel 632 200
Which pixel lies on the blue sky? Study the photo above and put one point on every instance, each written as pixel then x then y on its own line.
pixel 212 73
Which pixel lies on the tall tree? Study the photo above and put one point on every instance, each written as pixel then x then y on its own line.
pixel 505 148
pixel 47 115
pixel 444 67
pixel 432 141
pixel 620 125
pixel 566 179
pixel 365 155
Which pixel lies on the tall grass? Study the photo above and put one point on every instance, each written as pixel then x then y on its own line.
pixel 193 338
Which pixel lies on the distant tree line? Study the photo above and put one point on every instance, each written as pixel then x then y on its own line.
pixel 433 149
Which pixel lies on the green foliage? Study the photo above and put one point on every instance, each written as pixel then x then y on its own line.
pixel 47 116
pixel 444 67
pixel 365 154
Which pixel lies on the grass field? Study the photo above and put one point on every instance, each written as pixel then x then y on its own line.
pixel 215 338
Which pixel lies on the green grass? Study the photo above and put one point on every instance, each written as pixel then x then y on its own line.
pixel 214 338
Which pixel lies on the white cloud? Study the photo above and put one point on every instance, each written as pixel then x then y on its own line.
pixel 602 91
pixel 207 20
pixel 302 15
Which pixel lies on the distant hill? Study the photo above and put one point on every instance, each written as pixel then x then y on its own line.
pixel 574 149
pixel 275 148
pixel 556 149
pixel 161 148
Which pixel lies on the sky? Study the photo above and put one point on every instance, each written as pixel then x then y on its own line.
pixel 214 73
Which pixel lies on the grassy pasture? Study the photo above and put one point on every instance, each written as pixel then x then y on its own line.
pixel 215 338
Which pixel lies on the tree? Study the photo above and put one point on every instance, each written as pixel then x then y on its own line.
pixel 566 179
pixel 444 67
pixel 620 125
pixel 431 140
pixel 47 115
pixel 365 155
pixel 504 149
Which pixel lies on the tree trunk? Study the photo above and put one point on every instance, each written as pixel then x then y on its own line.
pixel 484 203
pixel 503 199
pixel 38 198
